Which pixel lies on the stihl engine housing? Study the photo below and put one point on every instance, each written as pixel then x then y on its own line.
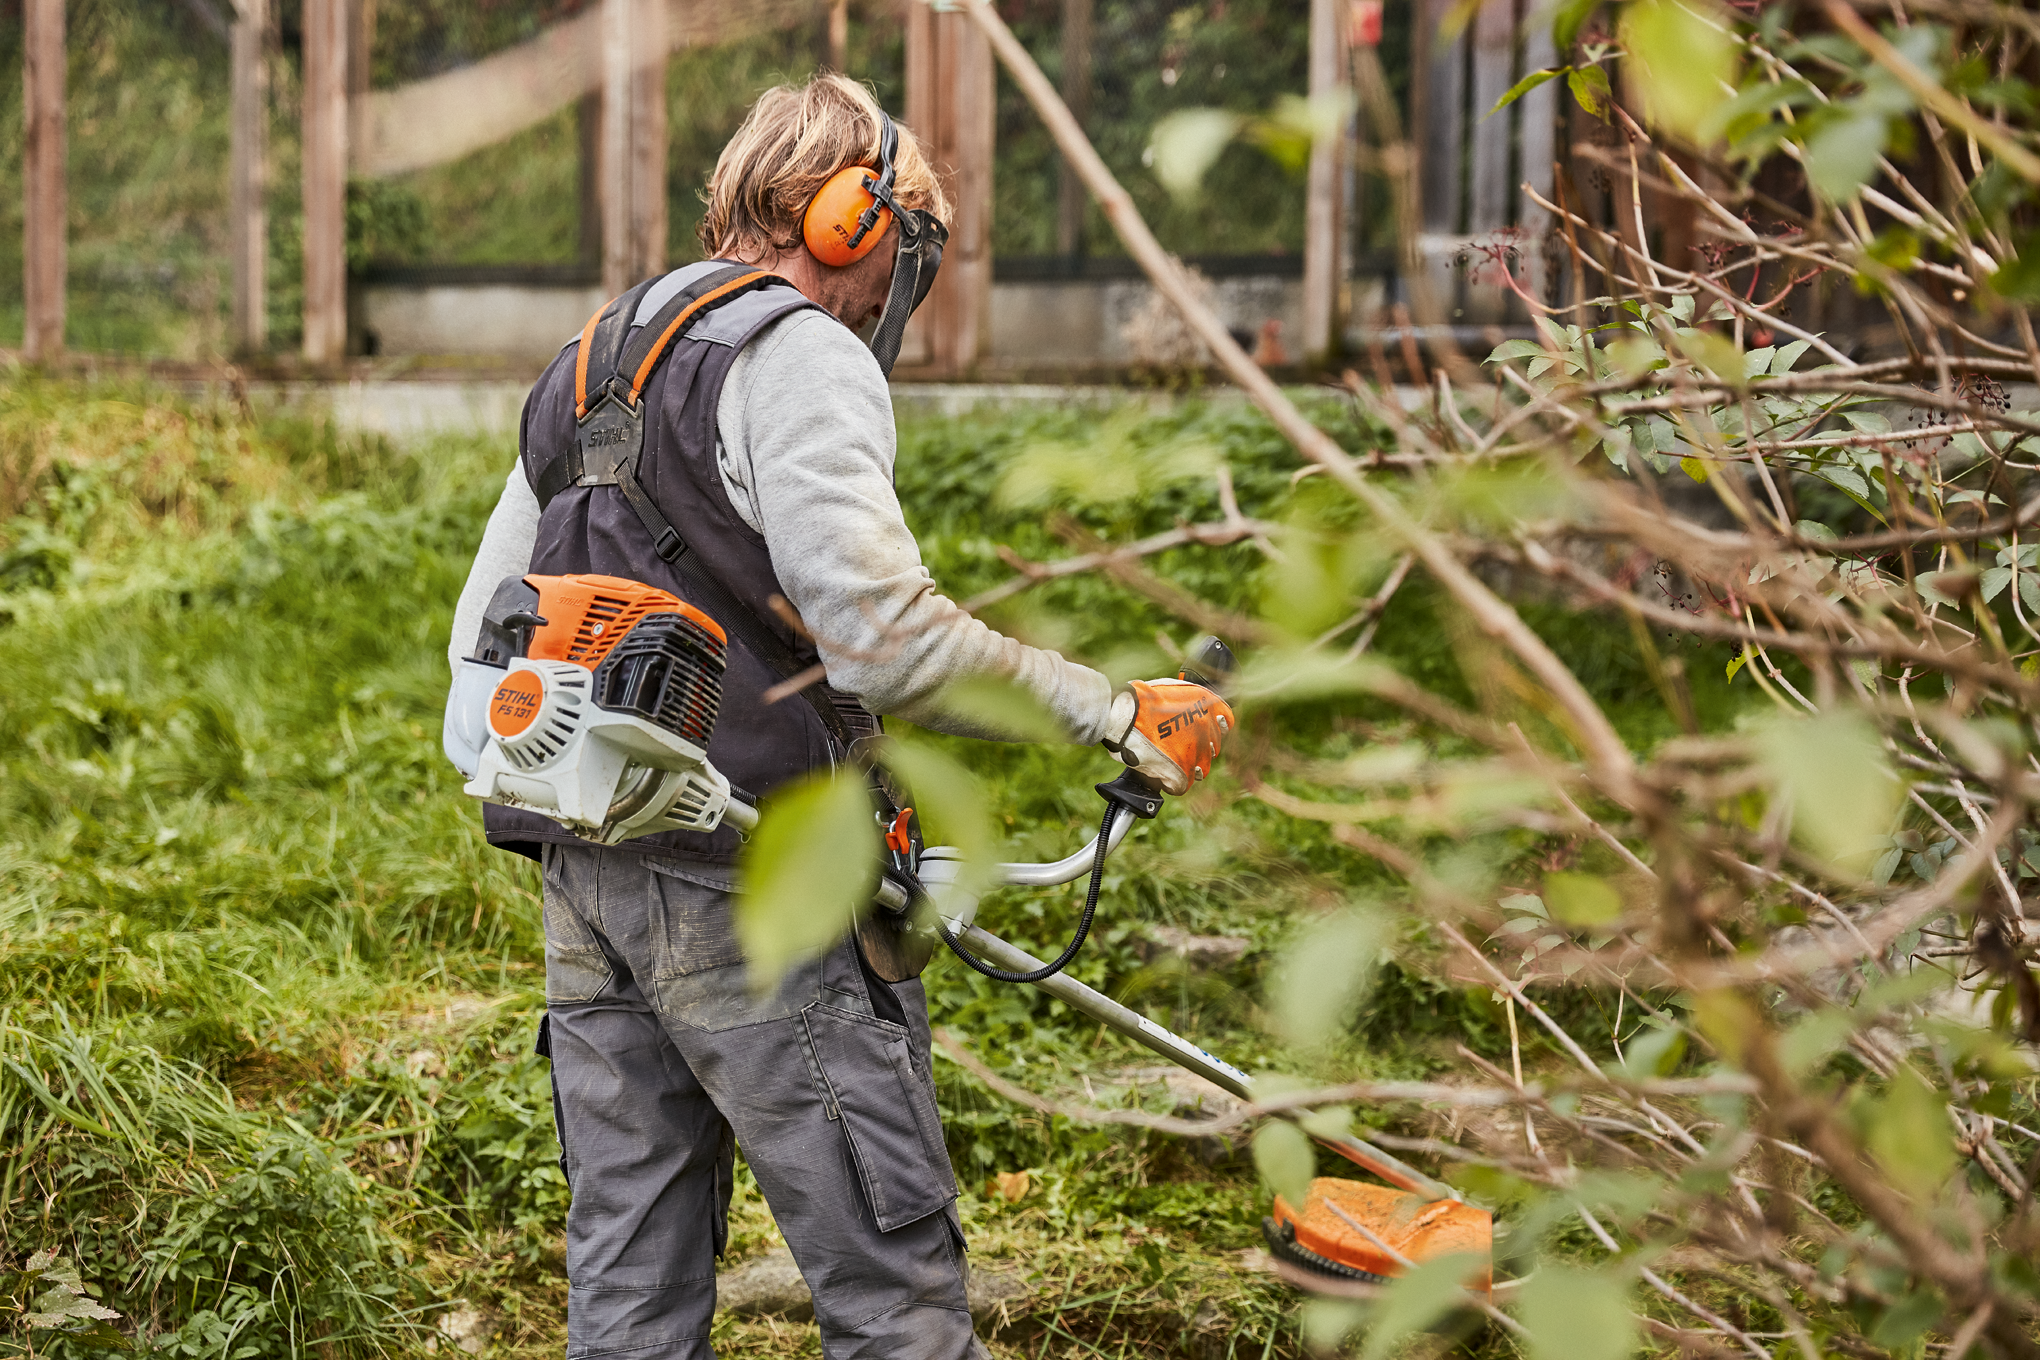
pixel 590 700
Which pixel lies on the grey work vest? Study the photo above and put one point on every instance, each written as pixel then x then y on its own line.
pixel 593 529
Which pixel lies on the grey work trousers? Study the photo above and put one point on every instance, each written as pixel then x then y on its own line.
pixel 663 1064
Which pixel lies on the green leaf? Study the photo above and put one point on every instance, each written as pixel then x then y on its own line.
pixel 1186 144
pixel 1847 478
pixel 1907 1130
pixel 1566 18
pixel 1286 1160
pixel 1319 574
pixel 1694 467
pixel 1326 1323
pixel 1300 675
pixel 1582 899
pixel 1843 791
pixel 1590 89
pixel 1329 1121
pixel 1524 86
pixel 1321 977
pixel 1415 1302
pixel 1715 353
pixel 1635 355
pixel 1682 61
pixel 1001 711
pixel 952 811
pixel 804 874
pixel 1814 531
pixel 1516 349
pixel 1907 1320
pixel 1896 247
pixel 1993 580
pixel 1296 124
pixel 1812 1038
pixel 1654 1053
pixel 1752 107
pixel 1841 156
pixel 2019 280
pixel 1575 1314
pixel 1788 355
pixel 1740 661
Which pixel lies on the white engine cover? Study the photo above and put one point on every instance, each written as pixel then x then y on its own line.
pixel 545 746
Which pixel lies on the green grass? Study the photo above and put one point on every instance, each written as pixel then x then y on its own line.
pixel 267 1000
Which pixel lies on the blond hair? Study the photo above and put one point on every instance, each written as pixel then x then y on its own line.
pixel 794 138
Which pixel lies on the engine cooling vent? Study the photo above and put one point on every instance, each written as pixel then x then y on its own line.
pixel 608 619
pixel 667 670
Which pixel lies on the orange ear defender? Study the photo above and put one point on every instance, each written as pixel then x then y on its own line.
pixel 850 213
pixel 833 224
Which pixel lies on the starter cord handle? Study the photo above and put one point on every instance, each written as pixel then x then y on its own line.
pixel 1112 811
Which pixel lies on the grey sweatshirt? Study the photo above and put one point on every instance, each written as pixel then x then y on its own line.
pixel 806 447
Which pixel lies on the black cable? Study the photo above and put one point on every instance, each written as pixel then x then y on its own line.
pixel 1083 925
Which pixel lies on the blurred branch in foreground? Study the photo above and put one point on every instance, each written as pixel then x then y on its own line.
pixel 1820 906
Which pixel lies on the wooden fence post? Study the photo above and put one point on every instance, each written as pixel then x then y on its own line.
pixel 45 202
pixel 588 141
pixel 325 180
pixel 1493 187
pixel 1073 200
pixel 951 85
pixel 1538 119
pixel 1437 99
pixel 1325 190
pixel 633 162
pixel 249 174
pixel 839 35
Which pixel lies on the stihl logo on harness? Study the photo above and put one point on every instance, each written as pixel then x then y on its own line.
pixel 1176 722
pixel 598 438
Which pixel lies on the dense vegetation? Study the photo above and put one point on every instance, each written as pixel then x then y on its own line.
pixel 267 1000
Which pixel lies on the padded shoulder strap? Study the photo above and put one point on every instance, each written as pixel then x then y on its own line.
pixel 639 359
pixel 602 341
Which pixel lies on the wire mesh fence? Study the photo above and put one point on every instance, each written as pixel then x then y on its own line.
pixel 473 141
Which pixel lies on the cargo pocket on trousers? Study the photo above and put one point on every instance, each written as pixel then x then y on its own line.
pixel 887 1112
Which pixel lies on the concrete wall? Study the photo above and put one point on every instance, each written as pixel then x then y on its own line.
pixel 1036 324
pixel 508 321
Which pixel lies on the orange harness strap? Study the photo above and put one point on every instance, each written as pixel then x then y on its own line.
pixel 679 323
pixel 581 359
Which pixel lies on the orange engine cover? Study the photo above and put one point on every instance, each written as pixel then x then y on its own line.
pixel 585 616
pixel 1418 1228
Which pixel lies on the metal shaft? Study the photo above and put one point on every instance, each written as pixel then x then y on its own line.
pixel 1190 1057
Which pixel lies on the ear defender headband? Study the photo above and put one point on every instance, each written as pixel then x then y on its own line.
pixel 849 215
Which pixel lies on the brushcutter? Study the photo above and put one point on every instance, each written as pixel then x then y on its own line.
pixel 590 699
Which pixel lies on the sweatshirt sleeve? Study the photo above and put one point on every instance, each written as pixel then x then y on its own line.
pixel 505 551
pixel 808 445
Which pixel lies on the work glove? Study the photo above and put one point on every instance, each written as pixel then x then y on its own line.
pixel 1168 731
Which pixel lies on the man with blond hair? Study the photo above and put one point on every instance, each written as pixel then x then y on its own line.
pixel 763 493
